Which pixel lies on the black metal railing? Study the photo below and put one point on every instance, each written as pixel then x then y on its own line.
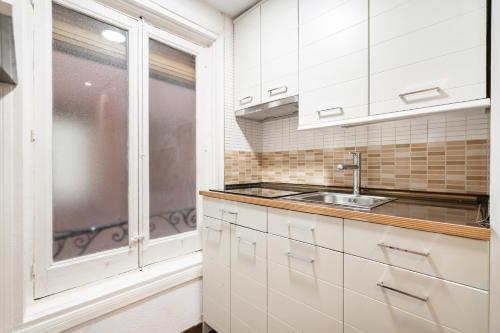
pixel 181 220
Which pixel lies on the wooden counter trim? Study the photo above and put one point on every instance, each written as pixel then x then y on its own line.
pixel 403 222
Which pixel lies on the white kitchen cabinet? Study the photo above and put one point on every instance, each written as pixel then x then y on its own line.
pixel 279 48
pixel 453 305
pixel 248 280
pixel 426 53
pixel 333 61
pixel 305 287
pixel 266 53
pixel 216 274
pixel 274 270
pixel 457 259
pixel 247 63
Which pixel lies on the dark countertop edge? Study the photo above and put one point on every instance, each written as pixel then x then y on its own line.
pixel 467 231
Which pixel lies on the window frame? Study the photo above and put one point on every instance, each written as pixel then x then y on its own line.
pixel 52 277
pixel 155 250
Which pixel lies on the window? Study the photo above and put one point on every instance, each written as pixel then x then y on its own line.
pixel 116 154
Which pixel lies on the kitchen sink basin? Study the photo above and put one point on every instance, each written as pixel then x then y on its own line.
pixel 343 199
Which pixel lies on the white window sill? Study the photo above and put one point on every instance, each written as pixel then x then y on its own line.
pixel 67 309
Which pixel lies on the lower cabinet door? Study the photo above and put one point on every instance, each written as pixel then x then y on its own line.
pixel 364 314
pixel 216 274
pixel 248 280
pixel 405 299
pixel 453 305
pixel 305 287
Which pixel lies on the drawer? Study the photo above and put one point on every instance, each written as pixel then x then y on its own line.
pixel 217 317
pixel 326 265
pixel 307 289
pixel 289 315
pixel 456 306
pixel 310 228
pixel 251 216
pixel 249 253
pixel 363 314
pixel 216 238
pixel 456 259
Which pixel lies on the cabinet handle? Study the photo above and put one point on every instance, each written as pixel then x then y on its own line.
pixel 210 228
pixel 246 100
pixel 223 211
pixel 384 286
pixel 330 112
pixel 294 256
pixel 280 90
pixel 404 95
pixel 301 227
pixel 245 241
pixel 391 247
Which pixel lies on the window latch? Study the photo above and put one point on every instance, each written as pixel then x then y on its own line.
pixel 135 240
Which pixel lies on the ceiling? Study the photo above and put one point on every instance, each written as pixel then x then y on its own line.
pixel 231 7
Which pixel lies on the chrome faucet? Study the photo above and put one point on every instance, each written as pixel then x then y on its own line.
pixel 356 167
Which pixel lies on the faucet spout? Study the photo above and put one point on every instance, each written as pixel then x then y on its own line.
pixel 356 166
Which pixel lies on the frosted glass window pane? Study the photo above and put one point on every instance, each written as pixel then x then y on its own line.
pixel 172 141
pixel 90 120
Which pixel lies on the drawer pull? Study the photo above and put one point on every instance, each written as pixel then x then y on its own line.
pixel 245 241
pixel 210 228
pixel 418 253
pixel 330 112
pixel 223 211
pixel 406 94
pixel 278 91
pixel 294 256
pixel 246 100
pixel 384 286
pixel 301 227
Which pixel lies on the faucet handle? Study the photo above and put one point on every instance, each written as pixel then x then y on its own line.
pixel 355 153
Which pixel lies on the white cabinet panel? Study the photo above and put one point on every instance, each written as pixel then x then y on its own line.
pixel 370 316
pixel 456 306
pixel 247 215
pixel 215 236
pixel 333 62
pixel 251 216
pixel 310 228
pixel 308 289
pixel 426 53
pixel 456 259
pixel 279 49
pixel 326 265
pixel 216 273
pixel 247 59
pixel 248 280
pixel 298 316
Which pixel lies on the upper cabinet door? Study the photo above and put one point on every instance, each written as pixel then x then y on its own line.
pixel 333 61
pixel 426 53
pixel 247 59
pixel 280 41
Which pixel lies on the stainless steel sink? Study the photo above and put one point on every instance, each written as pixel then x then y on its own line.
pixel 342 199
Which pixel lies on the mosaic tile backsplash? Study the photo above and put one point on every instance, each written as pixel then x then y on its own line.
pixel 440 153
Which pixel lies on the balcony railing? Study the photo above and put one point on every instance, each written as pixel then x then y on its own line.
pixel 81 239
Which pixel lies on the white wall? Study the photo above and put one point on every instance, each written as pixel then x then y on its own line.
pixel 172 311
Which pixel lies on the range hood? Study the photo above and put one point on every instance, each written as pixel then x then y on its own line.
pixel 8 69
pixel 281 107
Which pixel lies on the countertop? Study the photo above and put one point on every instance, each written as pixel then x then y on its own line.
pixel 451 218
